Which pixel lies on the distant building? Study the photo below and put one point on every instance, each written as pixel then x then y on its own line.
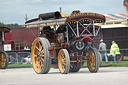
pixel 115 29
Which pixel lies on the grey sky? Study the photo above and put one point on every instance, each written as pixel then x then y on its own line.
pixel 13 11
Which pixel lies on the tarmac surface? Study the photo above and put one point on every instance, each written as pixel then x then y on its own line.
pixel 27 76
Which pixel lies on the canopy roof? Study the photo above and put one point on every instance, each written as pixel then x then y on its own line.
pixel 81 17
pixel 64 15
pixel 5 29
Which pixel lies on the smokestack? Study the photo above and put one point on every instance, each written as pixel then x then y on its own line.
pixel 26 17
pixel 60 10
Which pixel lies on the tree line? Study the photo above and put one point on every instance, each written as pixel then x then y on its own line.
pixel 10 25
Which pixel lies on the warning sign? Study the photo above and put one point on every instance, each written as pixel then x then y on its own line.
pixel 7 47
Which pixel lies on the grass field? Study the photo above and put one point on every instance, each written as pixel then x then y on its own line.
pixel 104 64
pixel 20 66
pixel 123 63
pixel 111 64
pixel 125 58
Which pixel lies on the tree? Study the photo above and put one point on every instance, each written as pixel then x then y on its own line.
pixel 1 24
pixel 9 25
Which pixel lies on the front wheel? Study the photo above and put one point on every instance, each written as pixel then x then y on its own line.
pixel 93 60
pixel 40 55
pixel 3 60
pixel 63 61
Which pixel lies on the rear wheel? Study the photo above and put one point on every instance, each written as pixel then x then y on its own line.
pixel 63 61
pixel 75 67
pixel 40 55
pixel 93 60
pixel 3 60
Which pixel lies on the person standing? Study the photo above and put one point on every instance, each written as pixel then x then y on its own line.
pixel 103 51
pixel 114 51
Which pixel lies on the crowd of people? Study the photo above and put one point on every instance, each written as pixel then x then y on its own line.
pixel 112 55
pixel 20 60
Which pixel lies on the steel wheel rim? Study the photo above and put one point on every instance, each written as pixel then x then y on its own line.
pixel 91 60
pixel 38 55
pixel 62 61
pixel 2 60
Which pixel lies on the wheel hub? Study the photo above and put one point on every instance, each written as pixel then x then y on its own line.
pixel 39 54
pixel 61 61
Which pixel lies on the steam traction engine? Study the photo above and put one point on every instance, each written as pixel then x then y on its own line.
pixel 65 41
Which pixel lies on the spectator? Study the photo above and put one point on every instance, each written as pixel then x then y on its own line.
pixel 27 60
pixel 12 59
pixel 114 51
pixel 103 51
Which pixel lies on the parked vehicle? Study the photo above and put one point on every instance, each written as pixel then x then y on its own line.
pixel 17 43
pixel 3 54
pixel 65 41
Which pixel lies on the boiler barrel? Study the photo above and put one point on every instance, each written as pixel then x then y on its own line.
pixel 54 15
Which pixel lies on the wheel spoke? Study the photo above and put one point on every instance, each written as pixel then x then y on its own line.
pixel 93 60
pixel 42 53
pixel 40 62
pixel 38 65
pixel 63 66
pixel 63 61
pixel 3 60
pixel 2 64
pixel 41 49
pixel 42 59
pixel 39 44
pixel 37 48
pixel 35 59
pixel 62 56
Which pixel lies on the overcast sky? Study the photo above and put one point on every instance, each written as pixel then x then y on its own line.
pixel 13 11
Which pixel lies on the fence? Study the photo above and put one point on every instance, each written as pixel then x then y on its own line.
pixel 121 57
pixel 19 57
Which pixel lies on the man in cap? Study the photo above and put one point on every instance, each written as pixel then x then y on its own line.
pixel 103 51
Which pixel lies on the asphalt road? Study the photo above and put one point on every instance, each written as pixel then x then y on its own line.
pixel 27 76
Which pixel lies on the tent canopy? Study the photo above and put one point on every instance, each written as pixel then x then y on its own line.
pixel 116 17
